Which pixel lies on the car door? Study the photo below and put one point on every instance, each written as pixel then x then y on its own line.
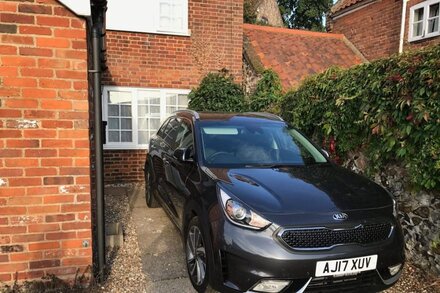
pixel 157 148
pixel 178 171
pixel 166 135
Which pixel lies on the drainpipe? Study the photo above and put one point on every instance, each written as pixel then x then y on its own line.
pixel 98 138
pixel 402 26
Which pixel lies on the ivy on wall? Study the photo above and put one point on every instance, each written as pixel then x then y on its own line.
pixel 389 109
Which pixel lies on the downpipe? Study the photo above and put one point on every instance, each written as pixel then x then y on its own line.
pixel 98 141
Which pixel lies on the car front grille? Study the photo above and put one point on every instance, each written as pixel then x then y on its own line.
pixel 362 282
pixel 321 238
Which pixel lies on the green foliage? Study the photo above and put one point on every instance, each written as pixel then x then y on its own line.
pixel 305 14
pixel 217 92
pixel 249 11
pixel 267 93
pixel 389 108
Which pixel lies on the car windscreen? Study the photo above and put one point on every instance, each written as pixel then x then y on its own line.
pixel 255 144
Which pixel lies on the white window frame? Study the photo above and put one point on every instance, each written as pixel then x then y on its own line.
pixel 134 109
pixel 425 35
pixel 152 10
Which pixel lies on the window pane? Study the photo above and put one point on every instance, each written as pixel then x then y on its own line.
pixel 113 136
pixel 143 137
pixel 126 136
pixel 148 97
pixel 418 14
pixel 171 109
pixel 113 123
pixel 119 97
pixel 434 10
pixel 154 109
pixel 417 29
pixel 433 21
pixel 154 124
pixel 183 100
pixel 142 111
pixel 113 110
pixel 154 101
pixel 171 99
pixel 143 123
pixel 126 123
pixel 433 25
pixel 126 110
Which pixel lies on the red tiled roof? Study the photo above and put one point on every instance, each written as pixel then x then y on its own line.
pixel 342 4
pixel 296 54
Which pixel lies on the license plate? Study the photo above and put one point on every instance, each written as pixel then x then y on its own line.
pixel 345 266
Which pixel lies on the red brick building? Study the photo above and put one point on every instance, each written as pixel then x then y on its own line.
pixel 382 28
pixel 154 59
pixel 45 199
pixel 47 153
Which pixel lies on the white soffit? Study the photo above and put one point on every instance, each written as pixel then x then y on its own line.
pixel 79 7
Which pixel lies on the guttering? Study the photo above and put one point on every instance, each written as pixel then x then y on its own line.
pixel 98 16
pixel 402 26
pixel 351 9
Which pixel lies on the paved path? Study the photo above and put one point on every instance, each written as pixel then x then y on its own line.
pixel 163 259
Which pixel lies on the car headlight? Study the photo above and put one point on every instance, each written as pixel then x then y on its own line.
pixel 241 215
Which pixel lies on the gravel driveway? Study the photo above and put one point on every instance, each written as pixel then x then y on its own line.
pixel 152 258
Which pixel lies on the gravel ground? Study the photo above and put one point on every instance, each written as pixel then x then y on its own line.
pixel 414 280
pixel 125 274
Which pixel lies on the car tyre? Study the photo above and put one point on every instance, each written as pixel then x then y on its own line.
pixel 149 193
pixel 197 256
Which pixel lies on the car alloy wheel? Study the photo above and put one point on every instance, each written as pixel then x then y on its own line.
pixel 196 255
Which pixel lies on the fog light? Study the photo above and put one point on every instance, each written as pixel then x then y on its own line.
pixel 394 269
pixel 271 286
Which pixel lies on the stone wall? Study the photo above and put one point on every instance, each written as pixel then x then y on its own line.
pixel 419 214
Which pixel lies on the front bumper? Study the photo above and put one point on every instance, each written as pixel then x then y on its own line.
pixel 242 258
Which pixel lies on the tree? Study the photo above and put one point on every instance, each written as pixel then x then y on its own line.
pixel 305 14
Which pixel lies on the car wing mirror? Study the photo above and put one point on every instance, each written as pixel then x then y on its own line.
pixel 183 155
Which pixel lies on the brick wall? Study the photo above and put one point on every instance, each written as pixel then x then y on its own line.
pixel 123 166
pixel 165 61
pixel 418 44
pixel 44 141
pixel 374 30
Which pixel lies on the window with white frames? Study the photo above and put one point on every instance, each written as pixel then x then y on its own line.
pixel 148 16
pixel 133 115
pixel 424 20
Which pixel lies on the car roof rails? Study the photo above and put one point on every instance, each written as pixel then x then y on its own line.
pixel 192 112
pixel 265 115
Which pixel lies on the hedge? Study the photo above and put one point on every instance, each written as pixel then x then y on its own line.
pixel 389 109
pixel 218 92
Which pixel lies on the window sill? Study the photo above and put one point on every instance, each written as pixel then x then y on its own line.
pixel 417 39
pixel 125 147
pixel 179 34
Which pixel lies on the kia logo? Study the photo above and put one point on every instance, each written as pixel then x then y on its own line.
pixel 340 216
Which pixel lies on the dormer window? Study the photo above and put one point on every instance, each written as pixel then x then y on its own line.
pixel 149 16
pixel 424 20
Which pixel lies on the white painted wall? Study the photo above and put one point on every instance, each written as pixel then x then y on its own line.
pixel 144 16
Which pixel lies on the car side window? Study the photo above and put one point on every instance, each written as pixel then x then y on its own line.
pixel 185 136
pixel 161 130
pixel 170 132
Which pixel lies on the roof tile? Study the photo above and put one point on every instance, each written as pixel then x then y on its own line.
pixel 296 54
